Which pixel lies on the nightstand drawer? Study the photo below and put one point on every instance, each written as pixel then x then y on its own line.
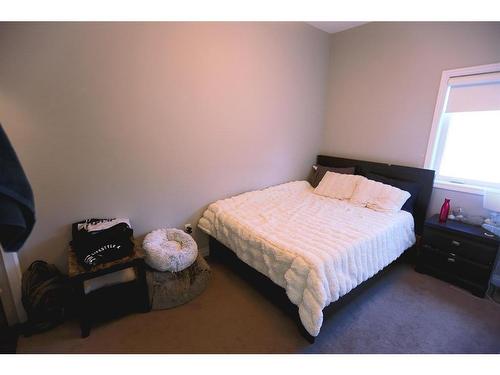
pixel 454 265
pixel 451 243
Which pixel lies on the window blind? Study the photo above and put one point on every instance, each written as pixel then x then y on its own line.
pixel 479 92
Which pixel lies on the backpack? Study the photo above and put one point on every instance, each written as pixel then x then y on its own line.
pixel 44 296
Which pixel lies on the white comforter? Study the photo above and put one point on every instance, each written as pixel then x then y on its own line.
pixel 316 248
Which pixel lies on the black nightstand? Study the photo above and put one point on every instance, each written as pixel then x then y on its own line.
pixel 460 253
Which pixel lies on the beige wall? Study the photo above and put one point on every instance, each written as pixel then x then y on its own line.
pixel 384 80
pixel 155 121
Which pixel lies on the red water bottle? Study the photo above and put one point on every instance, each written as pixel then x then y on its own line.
pixel 445 210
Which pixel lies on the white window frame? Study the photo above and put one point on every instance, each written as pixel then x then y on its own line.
pixel 435 140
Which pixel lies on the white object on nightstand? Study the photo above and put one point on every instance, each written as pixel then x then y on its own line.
pixel 491 201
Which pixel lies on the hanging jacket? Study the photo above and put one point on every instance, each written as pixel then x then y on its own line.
pixel 17 207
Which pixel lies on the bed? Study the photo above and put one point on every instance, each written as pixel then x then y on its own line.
pixel 307 252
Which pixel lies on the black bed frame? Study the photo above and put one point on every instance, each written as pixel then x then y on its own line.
pixel 423 177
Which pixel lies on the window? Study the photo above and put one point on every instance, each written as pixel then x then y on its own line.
pixel 464 145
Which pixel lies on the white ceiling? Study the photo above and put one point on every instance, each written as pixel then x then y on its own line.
pixel 334 26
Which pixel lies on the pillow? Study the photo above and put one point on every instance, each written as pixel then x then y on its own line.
pixel 411 187
pixel 337 185
pixel 366 192
pixel 389 199
pixel 318 172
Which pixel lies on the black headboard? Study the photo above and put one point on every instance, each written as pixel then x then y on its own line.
pixel 423 177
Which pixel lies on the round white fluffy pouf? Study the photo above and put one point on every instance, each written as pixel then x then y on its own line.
pixel 169 250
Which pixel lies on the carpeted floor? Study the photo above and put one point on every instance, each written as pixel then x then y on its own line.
pixel 403 312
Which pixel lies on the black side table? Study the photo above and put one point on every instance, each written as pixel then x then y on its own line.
pixel 459 253
pixel 109 301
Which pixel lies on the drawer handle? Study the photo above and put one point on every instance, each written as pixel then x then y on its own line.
pixel 451 260
pixel 455 243
pixel 453 254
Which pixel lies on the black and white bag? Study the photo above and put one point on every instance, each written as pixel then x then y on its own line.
pixel 97 241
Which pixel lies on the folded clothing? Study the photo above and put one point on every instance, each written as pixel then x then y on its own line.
pixel 93 225
pixel 97 241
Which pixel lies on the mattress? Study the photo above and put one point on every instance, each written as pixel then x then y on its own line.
pixel 316 248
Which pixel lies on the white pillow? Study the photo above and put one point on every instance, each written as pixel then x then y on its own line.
pixel 379 196
pixel 366 192
pixel 337 185
pixel 390 199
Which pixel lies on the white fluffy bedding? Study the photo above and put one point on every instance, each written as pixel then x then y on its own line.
pixel 316 248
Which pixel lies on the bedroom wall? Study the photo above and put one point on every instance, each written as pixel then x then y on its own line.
pixel 154 121
pixel 383 85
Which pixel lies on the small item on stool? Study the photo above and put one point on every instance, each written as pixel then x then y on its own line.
pixel 445 210
pixel 169 249
pixel 171 289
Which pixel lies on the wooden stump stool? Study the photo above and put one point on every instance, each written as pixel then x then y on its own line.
pixel 170 289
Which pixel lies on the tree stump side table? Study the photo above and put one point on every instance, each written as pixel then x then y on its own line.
pixel 131 296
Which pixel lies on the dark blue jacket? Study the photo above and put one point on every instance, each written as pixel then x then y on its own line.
pixel 17 208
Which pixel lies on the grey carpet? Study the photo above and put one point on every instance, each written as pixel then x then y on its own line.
pixel 412 313
pixel 403 312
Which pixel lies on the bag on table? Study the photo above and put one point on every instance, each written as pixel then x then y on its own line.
pixel 97 241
